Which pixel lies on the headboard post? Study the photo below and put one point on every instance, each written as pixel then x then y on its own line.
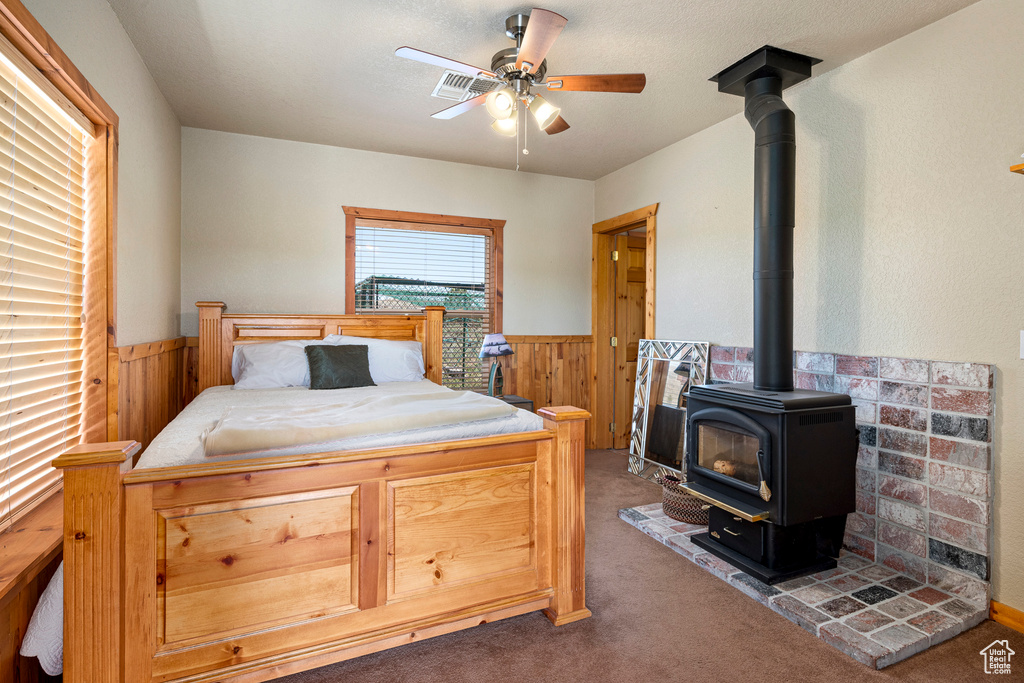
pixel 210 356
pixel 432 347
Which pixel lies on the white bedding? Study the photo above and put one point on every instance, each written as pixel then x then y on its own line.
pixel 180 444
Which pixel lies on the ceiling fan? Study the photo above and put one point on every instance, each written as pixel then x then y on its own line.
pixel 515 72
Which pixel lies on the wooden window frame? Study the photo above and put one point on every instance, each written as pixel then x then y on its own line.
pixel 492 228
pixel 99 391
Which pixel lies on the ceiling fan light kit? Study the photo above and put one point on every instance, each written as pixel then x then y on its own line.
pixel 505 127
pixel 514 72
pixel 500 104
pixel 544 111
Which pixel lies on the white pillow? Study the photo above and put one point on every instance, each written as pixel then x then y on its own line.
pixel 269 366
pixel 390 361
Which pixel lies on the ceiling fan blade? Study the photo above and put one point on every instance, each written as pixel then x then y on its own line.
pixel 541 31
pixel 460 108
pixel 556 126
pixel 443 62
pixel 599 83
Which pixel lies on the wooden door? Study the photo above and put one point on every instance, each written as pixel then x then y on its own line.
pixel 630 287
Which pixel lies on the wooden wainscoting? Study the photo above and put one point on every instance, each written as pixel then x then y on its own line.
pixel 151 388
pixel 550 370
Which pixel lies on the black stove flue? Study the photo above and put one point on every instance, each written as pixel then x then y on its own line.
pixel 777 464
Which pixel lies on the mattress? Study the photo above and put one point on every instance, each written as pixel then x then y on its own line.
pixel 179 443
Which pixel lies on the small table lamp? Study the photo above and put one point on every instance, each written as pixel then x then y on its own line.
pixel 495 345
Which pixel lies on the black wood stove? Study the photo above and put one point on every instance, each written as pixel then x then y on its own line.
pixel 777 464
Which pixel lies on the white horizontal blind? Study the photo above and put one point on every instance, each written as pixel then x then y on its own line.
pixel 42 222
pixel 403 267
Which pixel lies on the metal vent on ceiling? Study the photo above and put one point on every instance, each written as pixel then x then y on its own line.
pixel 460 87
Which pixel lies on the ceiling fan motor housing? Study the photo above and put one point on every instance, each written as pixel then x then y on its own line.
pixel 503 63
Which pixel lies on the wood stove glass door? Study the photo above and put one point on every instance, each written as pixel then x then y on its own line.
pixel 726 450
pixel 732 448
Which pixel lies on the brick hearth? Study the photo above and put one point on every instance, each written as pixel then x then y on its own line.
pixel 924 471
pixel 867 610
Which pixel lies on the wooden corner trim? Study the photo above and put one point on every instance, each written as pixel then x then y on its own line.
pixel 1007 616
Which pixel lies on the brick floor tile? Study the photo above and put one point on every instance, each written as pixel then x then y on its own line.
pixel 867 621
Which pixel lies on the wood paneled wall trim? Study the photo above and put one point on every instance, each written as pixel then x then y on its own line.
pixel 548 339
pixel 126 354
pixel 1007 616
pixel 153 385
pixel 550 370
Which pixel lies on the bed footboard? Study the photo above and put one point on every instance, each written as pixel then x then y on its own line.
pixel 251 570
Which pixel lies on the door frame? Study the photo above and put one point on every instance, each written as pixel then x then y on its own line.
pixel 602 316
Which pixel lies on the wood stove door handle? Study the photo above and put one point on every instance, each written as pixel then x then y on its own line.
pixel 727 530
pixel 762 471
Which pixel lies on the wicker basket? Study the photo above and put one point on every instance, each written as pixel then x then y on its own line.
pixel 680 505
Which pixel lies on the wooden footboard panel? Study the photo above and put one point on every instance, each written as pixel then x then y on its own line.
pixel 250 570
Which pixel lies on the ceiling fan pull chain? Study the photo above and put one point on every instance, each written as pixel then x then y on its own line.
pixel 518 128
pixel 526 132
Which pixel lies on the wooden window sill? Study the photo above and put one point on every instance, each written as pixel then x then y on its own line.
pixel 30 545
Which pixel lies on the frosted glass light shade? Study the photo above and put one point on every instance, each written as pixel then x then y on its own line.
pixel 544 111
pixel 505 126
pixel 500 104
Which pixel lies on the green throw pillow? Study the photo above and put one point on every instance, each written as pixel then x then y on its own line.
pixel 338 367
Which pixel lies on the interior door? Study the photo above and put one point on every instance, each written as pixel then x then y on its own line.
pixel 630 285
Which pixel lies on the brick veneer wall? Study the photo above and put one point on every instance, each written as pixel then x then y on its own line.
pixel 924 470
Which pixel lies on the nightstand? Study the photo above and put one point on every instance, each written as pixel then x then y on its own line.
pixel 517 401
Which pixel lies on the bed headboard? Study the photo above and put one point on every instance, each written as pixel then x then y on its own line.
pixel 219 334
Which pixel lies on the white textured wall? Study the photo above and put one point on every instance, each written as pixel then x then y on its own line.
pixel 910 227
pixel 263 228
pixel 149 169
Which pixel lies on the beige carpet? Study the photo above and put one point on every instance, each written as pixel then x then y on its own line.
pixel 657 617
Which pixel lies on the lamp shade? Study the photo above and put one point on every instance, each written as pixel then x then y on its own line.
pixel 505 126
pixel 500 104
pixel 544 111
pixel 495 345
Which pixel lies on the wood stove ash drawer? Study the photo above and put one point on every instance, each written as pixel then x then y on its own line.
pixel 736 533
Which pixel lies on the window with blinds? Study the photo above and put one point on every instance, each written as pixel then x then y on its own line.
pixel 402 267
pixel 42 222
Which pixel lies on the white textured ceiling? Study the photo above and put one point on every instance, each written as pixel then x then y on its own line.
pixel 324 71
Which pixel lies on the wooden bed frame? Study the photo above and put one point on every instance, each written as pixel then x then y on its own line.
pixel 251 570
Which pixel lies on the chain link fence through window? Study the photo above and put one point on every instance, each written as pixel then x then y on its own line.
pixel 465 324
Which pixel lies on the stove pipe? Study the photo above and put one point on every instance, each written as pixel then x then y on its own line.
pixel 760 78
pixel 774 198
